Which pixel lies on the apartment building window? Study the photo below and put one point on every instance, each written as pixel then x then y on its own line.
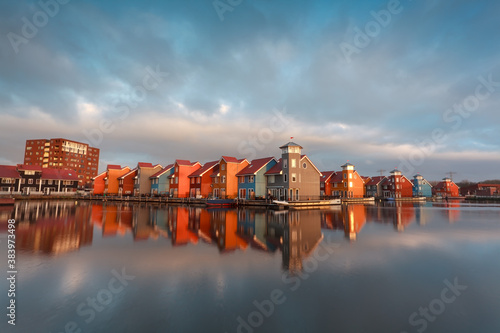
pixel 251 179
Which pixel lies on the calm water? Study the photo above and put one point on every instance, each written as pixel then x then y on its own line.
pixel 85 267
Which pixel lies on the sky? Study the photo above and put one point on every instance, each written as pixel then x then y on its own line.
pixel 412 85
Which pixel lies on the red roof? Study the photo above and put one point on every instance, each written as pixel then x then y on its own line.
pixel 375 180
pixel 144 165
pixel 114 166
pixel 162 171
pixel 276 169
pixel 230 159
pixel 442 184
pixel 255 166
pixel 337 177
pixel 206 167
pixel 29 167
pixel 326 175
pixel 9 171
pixel 132 172
pixel 184 162
pixel 58 174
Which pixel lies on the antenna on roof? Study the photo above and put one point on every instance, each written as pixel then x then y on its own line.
pixel 451 173
pixel 381 171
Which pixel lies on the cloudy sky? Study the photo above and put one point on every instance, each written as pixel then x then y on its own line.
pixel 383 84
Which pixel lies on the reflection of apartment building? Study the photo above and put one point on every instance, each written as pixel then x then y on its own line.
pixel 64 154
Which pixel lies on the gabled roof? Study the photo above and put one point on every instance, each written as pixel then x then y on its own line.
pixel 375 180
pixel 206 167
pixel 9 171
pixel 276 169
pixel 326 176
pixel 132 172
pixel 305 156
pixel 25 167
pixel 365 179
pixel 291 144
pixel 144 165
pixel 162 171
pixel 442 184
pixel 58 174
pixel 255 166
pixel 185 162
pixel 336 177
pixel 104 173
pixel 230 159
pixel 114 166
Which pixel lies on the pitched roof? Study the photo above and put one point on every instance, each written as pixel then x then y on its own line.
pixel 255 166
pixel 185 162
pixel 58 174
pixel 230 159
pixel 29 167
pixel 291 144
pixel 206 167
pixel 162 171
pixel 305 156
pixel 9 171
pixel 336 177
pixel 132 172
pixel 276 169
pixel 215 171
pixel 346 165
pixel 104 173
pixel 114 166
pixel 144 165
pixel 375 180
pixel 326 175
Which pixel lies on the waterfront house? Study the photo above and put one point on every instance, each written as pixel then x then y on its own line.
pixel 397 186
pixel 10 180
pixel 111 183
pixel 179 180
pixel 374 187
pixel 142 183
pixel 446 188
pixel 58 181
pixel 336 183
pixel 224 180
pixel 99 183
pixel 353 185
pixel 294 177
pixel 421 187
pixel 31 176
pixel 481 189
pixel 325 187
pixel 252 179
pixel 200 182
pixel 160 183
pixel 126 183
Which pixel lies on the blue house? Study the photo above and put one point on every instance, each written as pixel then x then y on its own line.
pixel 421 187
pixel 160 184
pixel 252 181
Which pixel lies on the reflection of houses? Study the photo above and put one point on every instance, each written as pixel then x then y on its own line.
pixel 403 215
pixel 374 187
pixel 397 186
pixel 252 226
pixel 295 177
pixel 252 181
pixel 160 182
pixel 224 180
pixel 142 184
pixel 446 188
pixel 421 187
pixel 354 219
pixel 298 232
pixel 178 222
pixel 179 180
pixel 142 223
pixel 224 230
pixel 52 227
pixel 200 180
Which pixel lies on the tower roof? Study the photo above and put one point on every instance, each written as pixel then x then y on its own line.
pixel 291 144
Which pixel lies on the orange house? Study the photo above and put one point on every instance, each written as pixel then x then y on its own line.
pixel 179 180
pixel 325 184
pixel 348 183
pixel 397 186
pixel 200 181
pixel 224 180
pixel 111 182
pixel 126 183
pixel 98 183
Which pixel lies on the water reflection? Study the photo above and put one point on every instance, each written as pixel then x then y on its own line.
pixel 58 227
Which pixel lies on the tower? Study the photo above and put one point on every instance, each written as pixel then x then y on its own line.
pixel 291 156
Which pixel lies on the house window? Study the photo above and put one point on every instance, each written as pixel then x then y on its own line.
pixel 285 178
pixel 192 180
pixel 345 175
pixel 270 179
pixel 177 180
pixel 350 176
pixel 38 181
pixel 216 180
pixel 251 179
pixel 285 163
pixel 49 181
pixel 345 184
pixel 350 184
pixel 223 179
pixel 293 163
pixel 294 177
pixel 176 169
pixel 223 167
pixel 30 181
pixel 198 180
pixel 304 165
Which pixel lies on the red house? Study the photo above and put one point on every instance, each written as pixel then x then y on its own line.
pixel 325 188
pixel 446 188
pixel 126 183
pixel 200 181
pixel 179 180
pixel 397 186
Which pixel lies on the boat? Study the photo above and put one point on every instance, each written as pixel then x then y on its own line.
pixel 7 201
pixel 221 202
pixel 308 203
